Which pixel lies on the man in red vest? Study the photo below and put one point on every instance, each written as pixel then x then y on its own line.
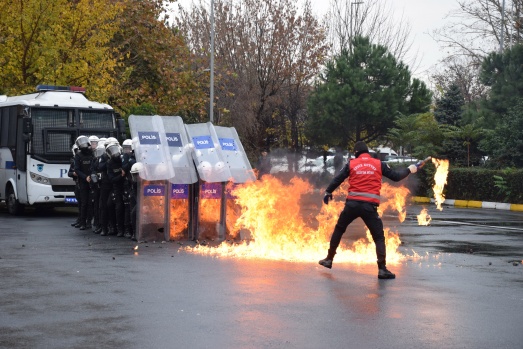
pixel 364 175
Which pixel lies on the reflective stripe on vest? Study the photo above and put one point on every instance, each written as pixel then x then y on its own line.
pixel 356 193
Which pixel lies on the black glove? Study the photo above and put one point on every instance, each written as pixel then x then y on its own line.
pixel 327 197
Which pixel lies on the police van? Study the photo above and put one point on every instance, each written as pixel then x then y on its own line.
pixel 37 132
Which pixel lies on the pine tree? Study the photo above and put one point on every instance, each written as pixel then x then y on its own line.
pixel 449 108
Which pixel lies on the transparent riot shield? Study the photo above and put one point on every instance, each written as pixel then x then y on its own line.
pixel 151 211
pixel 234 155
pixel 210 199
pixel 241 172
pixel 151 149
pixel 180 149
pixel 207 154
pixel 150 146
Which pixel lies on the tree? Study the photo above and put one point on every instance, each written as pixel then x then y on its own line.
pixel 504 144
pixel 503 73
pixel 463 72
pixel 58 42
pixel 360 94
pixel 450 107
pixel 478 28
pixel 467 136
pixel 157 68
pixel 266 54
pixel 373 19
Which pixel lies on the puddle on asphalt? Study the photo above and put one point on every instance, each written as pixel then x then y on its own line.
pixel 450 246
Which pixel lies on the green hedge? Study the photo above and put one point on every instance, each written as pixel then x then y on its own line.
pixel 474 183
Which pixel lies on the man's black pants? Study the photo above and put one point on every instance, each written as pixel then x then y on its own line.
pixel 369 213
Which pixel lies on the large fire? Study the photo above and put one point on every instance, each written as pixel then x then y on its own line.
pixel 285 225
pixel 440 179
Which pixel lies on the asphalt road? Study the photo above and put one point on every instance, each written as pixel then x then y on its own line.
pixel 65 288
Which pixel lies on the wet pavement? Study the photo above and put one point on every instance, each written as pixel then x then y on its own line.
pixel 65 288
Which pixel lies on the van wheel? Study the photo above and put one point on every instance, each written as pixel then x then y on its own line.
pixel 14 207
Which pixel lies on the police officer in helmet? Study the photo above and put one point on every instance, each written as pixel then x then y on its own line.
pixel 117 177
pixel 82 168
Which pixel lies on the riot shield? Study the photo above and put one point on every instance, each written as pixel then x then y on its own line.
pixel 207 154
pixel 180 149
pixel 234 155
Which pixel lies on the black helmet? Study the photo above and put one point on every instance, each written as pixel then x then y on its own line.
pixel 83 142
pixel 113 151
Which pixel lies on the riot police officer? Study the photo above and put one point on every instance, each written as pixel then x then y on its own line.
pixel 136 169
pixel 128 160
pixel 82 167
pixel 117 177
pixel 73 175
pixel 105 192
pixel 95 187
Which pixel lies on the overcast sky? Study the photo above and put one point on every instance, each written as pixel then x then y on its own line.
pixel 423 15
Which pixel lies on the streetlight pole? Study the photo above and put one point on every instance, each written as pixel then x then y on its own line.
pixel 211 95
pixel 502 27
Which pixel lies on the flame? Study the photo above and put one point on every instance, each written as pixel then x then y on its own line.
pixel 440 179
pixel 284 224
pixel 424 217
pixel 179 218
pixel 394 198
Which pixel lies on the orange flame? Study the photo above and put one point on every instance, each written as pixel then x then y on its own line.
pixel 424 217
pixel 440 179
pixel 179 218
pixel 284 224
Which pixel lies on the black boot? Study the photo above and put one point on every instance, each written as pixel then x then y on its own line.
pixel 327 262
pixel 104 232
pixel 384 273
pixel 127 233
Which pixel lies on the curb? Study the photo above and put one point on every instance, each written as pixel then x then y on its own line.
pixel 472 204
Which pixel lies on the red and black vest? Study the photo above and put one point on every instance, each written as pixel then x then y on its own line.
pixel 365 179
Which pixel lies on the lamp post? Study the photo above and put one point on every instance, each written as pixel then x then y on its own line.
pixel 211 95
pixel 351 12
pixel 502 27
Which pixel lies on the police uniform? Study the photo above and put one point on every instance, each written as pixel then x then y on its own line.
pixel 82 168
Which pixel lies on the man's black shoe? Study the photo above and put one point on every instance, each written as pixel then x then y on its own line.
pixel 327 263
pixel 74 224
pixel 120 234
pixel 384 273
pixel 82 227
pixel 104 233
pixel 98 230
pixel 77 225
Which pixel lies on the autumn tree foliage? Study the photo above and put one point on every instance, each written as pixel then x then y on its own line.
pixel 58 42
pixel 122 51
pixel 155 65
pixel 266 54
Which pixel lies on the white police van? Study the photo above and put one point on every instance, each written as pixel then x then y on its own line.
pixel 37 132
